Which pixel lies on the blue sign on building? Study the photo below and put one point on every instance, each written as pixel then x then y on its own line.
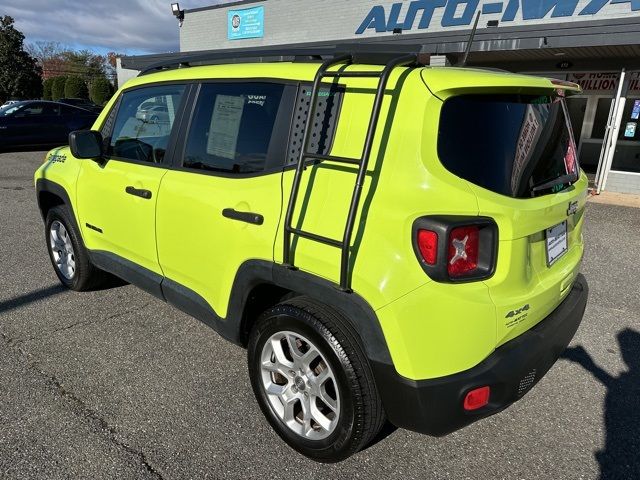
pixel 246 23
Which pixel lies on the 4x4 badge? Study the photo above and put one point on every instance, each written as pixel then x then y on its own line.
pixel 514 313
pixel 573 208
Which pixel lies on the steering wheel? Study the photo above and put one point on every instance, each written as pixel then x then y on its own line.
pixel 141 154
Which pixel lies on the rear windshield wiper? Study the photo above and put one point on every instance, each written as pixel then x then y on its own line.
pixel 568 178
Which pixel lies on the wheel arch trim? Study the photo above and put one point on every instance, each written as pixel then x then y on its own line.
pixel 47 186
pixel 252 274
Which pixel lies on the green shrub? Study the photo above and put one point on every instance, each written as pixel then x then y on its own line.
pixel 57 89
pixel 101 90
pixel 75 87
pixel 47 85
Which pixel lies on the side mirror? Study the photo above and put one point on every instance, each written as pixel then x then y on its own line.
pixel 86 144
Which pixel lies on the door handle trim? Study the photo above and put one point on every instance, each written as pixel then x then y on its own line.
pixel 248 217
pixel 138 192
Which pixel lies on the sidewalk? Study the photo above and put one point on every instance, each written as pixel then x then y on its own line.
pixel 613 198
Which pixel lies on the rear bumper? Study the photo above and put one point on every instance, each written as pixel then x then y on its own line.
pixel 434 407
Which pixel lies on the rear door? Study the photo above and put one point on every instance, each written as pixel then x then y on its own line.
pixel 220 204
pixel 117 196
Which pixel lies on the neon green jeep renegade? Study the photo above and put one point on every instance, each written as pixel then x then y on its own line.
pixel 390 242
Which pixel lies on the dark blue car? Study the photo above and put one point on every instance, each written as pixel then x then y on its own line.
pixel 37 123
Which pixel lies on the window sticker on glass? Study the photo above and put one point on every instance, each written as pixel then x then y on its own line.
pixel 225 126
pixel 630 130
pixel 256 100
pixel 635 113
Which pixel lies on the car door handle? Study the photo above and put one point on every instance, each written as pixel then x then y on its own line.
pixel 248 217
pixel 138 192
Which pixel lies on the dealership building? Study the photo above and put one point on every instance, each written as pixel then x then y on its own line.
pixel 595 43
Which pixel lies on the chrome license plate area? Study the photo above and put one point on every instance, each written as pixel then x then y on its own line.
pixel 556 238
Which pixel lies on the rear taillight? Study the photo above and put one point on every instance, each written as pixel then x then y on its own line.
pixel 456 249
pixel 463 246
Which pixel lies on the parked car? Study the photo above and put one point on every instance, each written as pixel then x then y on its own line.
pixel 82 103
pixel 390 242
pixel 39 123
pixel 153 113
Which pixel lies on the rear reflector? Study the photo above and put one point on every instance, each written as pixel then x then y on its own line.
pixel 428 245
pixel 477 398
pixel 464 245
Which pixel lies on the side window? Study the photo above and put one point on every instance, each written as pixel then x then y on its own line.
pixel 51 109
pixel 234 125
pixel 67 110
pixel 31 110
pixel 143 123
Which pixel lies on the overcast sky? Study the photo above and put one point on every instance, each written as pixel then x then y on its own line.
pixel 124 26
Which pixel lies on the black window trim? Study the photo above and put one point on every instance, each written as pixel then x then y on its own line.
pixel 342 89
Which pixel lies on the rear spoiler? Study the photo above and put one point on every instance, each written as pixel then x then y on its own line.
pixel 568 87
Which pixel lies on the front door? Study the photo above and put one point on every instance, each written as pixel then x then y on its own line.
pixel 117 196
pixel 221 204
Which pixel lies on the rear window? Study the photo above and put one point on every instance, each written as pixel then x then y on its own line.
pixel 515 145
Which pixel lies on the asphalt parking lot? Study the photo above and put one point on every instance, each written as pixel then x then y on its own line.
pixel 116 384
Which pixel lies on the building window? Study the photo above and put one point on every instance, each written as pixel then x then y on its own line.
pixel 601 118
pixel 627 155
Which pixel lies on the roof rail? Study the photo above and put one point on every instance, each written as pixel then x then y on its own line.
pixel 368 53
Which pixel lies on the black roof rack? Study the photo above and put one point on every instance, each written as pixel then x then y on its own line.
pixel 367 53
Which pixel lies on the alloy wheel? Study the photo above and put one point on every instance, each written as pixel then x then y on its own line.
pixel 62 250
pixel 300 385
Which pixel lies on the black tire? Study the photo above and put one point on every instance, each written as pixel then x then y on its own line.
pixel 361 415
pixel 86 276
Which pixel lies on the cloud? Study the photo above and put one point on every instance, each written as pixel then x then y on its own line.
pixel 126 26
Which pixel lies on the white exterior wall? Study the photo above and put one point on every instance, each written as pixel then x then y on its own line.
pixel 301 21
pixel 124 74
